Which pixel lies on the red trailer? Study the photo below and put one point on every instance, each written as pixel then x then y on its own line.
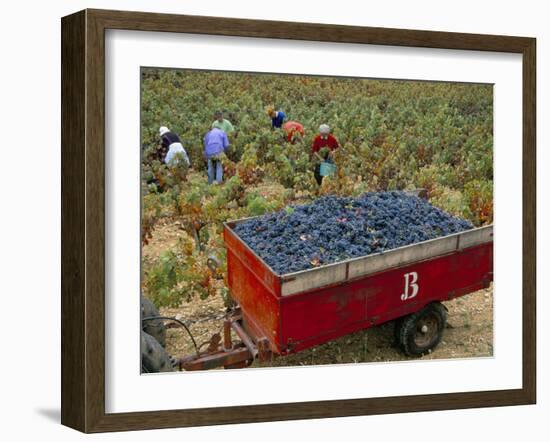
pixel 282 314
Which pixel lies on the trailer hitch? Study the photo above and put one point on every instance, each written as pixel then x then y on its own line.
pixel 226 353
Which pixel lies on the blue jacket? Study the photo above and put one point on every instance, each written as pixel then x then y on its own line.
pixel 278 120
pixel 215 142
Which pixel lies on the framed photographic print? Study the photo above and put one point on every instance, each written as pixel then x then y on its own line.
pixel 267 220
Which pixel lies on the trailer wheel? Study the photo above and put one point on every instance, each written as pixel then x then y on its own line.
pixel 397 325
pixel 420 332
pixel 154 358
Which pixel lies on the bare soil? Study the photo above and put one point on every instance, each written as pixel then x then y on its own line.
pixel 469 332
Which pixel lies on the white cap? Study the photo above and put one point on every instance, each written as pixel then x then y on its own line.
pixel 163 130
pixel 324 129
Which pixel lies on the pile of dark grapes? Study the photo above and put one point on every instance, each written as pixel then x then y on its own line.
pixel 335 228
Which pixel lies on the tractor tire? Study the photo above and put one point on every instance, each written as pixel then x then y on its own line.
pixel 154 358
pixel 153 327
pixel 422 331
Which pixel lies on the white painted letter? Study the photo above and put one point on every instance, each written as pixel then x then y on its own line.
pixel 410 283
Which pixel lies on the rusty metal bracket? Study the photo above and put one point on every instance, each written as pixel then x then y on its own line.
pixel 247 340
pixel 221 358
pixel 223 352
pixel 264 352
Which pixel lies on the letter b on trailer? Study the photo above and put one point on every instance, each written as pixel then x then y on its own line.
pixel 411 286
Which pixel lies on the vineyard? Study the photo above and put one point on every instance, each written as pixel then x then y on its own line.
pixel 393 135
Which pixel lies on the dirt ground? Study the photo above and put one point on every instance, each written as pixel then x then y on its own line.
pixel 469 332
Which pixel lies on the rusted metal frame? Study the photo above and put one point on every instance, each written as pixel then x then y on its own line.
pixel 214 360
pixel 230 355
pixel 264 352
pixel 227 343
pixel 258 346
pixel 245 338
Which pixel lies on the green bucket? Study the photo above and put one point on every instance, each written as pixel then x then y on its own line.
pixel 327 168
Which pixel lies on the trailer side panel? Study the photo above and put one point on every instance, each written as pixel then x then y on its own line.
pixel 255 288
pixel 317 316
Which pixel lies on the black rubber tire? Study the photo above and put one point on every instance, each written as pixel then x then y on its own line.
pixel 155 328
pixel 422 331
pixel 397 325
pixel 154 358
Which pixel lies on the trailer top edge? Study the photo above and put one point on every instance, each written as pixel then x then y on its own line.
pixel 485 235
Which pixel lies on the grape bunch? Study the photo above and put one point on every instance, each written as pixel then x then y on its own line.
pixel 333 229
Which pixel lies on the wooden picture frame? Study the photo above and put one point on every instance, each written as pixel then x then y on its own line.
pixel 83 220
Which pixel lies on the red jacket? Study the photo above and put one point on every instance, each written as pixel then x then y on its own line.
pixel 319 142
pixel 290 127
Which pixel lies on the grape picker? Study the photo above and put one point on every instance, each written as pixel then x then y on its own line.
pixel 277 117
pixel 222 123
pixel 171 144
pixel 324 140
pixel 215 143
pixel 291 128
